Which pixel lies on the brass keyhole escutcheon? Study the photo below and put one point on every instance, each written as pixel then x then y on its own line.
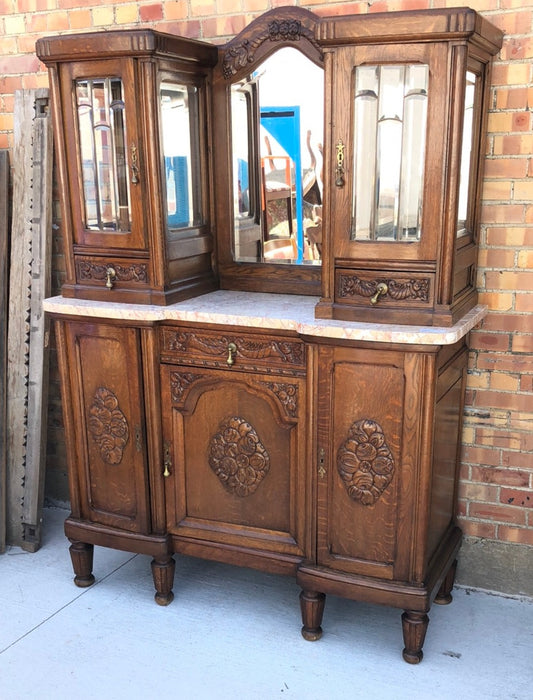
pixel 321 460
pixel 232 351
pixel 339 170
pixel 110 277
pixel 381 289
pixel 167 461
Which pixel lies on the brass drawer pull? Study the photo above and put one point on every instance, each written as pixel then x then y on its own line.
pixel 111 276
pixel 381 289
pixel 232 351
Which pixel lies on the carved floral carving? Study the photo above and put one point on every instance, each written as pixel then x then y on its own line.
pixel 241 53
pixel 365 462
pixel 216 346
pixel 108 426
pixel 418 289
pixel 180 382
pixel 238 457
pixel 88 270
pixel 287 395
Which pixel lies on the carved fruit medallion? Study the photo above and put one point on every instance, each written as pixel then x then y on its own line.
pixel 365 462
pixel 108 426
pixel 238 457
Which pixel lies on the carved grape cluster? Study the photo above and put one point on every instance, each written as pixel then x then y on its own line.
pixel 365 462
pixel 238 457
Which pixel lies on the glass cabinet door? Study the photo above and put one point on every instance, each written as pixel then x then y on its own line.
pixel 385 200
pixel 105 162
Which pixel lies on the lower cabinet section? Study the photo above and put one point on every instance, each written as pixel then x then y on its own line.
pixel 331 461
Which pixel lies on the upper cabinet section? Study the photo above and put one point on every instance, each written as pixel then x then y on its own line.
pixel 407 97
pixel 132 120
pixel 340 157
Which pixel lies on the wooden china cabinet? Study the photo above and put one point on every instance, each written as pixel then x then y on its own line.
pixel 278 380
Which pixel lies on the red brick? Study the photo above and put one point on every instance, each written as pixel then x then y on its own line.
pixel 475 529
pixel 489 341
pixel 497 513
pixel 503 477
pixel 519 535
pixel 502 399
pixel 509 236
pixel 509 280
pixel 517 497
pixel 523 460
pixel 481 455
pixel 511 322
pixel 506 167
pixel 510 363
pixel 522 343
pixel 151 13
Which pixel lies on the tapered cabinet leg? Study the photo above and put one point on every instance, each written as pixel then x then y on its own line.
pixel 444 596
pixel 414 625
pixel 163 574
pixel 81 555
pixel 312 607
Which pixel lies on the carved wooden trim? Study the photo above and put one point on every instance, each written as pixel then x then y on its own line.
pixel 186 342
pixel 365 462
pixel 398 289
pixel 180 383
pixel 108 426
pixel 287 395
pixel 288 25
pixel 238 457
pixel 91 271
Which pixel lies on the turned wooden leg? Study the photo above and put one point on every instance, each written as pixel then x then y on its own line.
pixel 312 607
pixel 414 626
pixel 163 574
pixel 81 555
pixel 444 596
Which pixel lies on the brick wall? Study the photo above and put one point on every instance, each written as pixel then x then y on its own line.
pixel 496 496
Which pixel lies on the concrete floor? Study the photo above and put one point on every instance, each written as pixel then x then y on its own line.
pixel 235 634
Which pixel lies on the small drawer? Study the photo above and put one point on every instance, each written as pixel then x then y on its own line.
pixel 229 349
pixel 378 289
pixel 112 272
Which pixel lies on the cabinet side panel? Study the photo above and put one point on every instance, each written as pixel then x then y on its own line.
pixel 448 419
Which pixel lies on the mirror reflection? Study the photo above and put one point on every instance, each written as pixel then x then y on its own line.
pixel 181 152
pixel 277 136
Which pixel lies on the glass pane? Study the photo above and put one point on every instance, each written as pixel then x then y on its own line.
pixel 181 152
pixel 389 143
pixel 466 155
pixel 104 163
pixel 277 135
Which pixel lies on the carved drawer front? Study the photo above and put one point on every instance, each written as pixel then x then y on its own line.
pixel 233 349
pixel 112 273
pixel 384 289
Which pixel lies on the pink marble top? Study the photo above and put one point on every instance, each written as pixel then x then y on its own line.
pixel 268 311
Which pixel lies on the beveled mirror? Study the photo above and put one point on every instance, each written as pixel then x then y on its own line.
pixel 269 97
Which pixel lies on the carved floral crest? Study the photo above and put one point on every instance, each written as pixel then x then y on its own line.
pixel 365 462
pixel 108 426
pixel 238 457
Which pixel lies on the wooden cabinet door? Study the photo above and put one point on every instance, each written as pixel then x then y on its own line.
pixel 105 419
pixel 371 432
pixel 234 455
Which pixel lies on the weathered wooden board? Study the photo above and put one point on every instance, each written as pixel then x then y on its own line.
pixel 27 377
pixel 4 235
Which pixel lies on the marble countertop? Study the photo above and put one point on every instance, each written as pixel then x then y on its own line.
pixel 268 311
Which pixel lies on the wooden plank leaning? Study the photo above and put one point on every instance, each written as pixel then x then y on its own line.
pixel 27 396
pixel 4 248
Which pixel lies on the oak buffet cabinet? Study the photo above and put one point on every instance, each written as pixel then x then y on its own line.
pixel 263 330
